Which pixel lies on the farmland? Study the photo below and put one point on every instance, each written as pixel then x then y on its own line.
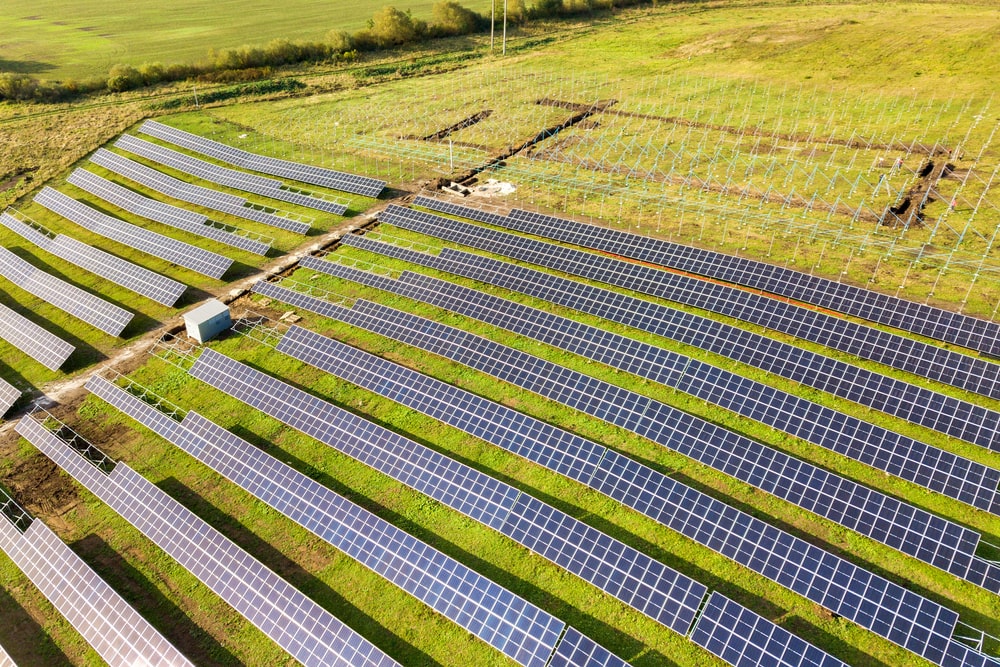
pixel 773 131
pixel 39 38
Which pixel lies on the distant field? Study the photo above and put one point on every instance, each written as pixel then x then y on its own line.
pixel 54 40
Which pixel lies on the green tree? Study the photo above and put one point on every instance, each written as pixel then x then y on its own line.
pixel 451 18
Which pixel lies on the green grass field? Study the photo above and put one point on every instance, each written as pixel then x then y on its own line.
pixel 56 42
pixel 769 95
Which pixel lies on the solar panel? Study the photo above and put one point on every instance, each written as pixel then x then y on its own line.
pixel 906 354
pixel 177 252
pixel 449 208
pixel 338 180
pixel 232 178
pixel 131 276
pixel 985 574
pixel 632 577
pixel 89 308
pixel 887 609
pixel 939 470
pixel 742 638
pixel 909 529
pixel 102 617
pixel 9 395
pixel 305 630
pixel 194 194
pixel 28 232
pixel 889 310
pixel 176 217
pixel 5 659
pixel 119 271
pixel 45 348
pixel 576 650
pixel 503 620
pixel 946 414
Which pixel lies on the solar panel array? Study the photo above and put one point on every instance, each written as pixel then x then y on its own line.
pixel 177 252
pixel 305 630
pixel 119 271
pixel 918 318
pixel 9 395
pixel 744 639
pixel 195 194
pixel 885 608
pixel 5 659
pixel 503 620
pixel 630 576
pixel 45 348
pixel 905 527
pixel 92 309
pixel 946 414
pixel 338 180
pixel 939 470
pixel 906 354
pixel 113 628
pixel 232 178
pixel 176 217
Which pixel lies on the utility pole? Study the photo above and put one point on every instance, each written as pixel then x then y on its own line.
pixel 504 52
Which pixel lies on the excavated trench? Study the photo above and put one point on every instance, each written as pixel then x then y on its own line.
pixel 580 113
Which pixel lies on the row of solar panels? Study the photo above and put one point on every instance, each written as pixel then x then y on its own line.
pixel 232 178
pixel 922 406
pixel 89 308
pixel 338 180
pixel 843 588
pixel 506 621
pixel 196 194
pixel 917 318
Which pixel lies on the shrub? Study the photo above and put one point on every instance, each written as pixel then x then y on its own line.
pixel 123 77
pixel 451 18
pixel 339 41
pixel 392 27
pixel 151 73
pixel 545 9
pixel 17 87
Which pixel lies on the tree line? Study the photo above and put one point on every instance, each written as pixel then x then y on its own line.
pixel 387 29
